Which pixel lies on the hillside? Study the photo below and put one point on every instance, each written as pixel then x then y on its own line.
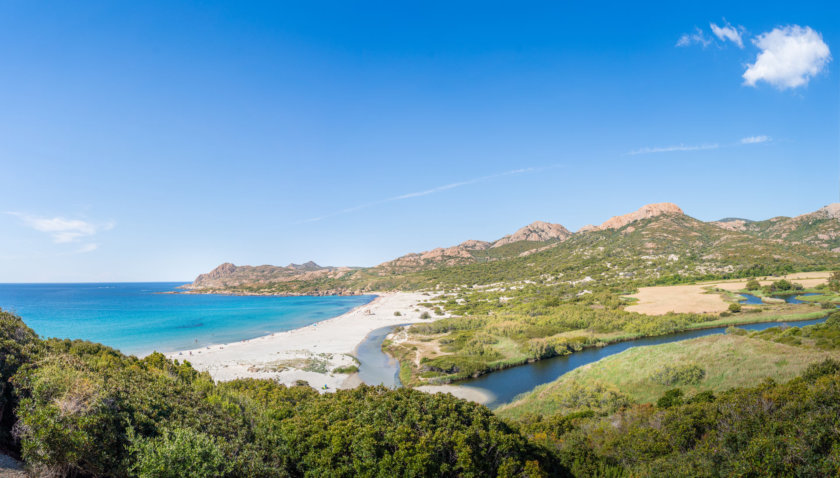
pixel 820 228
pixel 528 238
pixel 228 275
pixel 656 244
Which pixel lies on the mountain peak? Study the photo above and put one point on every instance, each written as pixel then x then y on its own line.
pixel 306 266
pixel 832 210
pixel 644 212
pixel 539 231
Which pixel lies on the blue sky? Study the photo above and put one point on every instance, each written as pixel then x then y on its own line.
pixel 155 140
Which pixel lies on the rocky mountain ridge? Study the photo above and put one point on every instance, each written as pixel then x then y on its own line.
pixel 819 228
pixel 653 233
pixel 644 212
pixel 230 275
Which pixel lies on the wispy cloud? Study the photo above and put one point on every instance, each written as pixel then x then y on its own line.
pixel 695 38
pixel 790 56
pixel 434 190
pixel 728 32
pixel 699 147
pixel 755 139
pixel 669 149
pixel 63 230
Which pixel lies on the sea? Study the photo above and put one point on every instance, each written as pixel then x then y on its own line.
pixel 139 318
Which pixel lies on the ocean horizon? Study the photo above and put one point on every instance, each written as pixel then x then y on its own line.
pixel 141 317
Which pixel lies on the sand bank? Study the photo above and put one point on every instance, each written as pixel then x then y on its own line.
pixel 309 353
pixel 465 392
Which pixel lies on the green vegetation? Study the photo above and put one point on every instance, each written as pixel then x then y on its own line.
pixel 770 429
pixel 825 336
pixel 73 408
pixel 684 374
pixel 492 330
pixel 668 249
pixel 347 369
pixel 483 336
pixel 713 363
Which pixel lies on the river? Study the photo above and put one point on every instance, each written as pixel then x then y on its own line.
pixel 377 367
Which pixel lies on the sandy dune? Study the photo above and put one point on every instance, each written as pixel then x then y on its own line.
pixel 697 298
pixel 309 353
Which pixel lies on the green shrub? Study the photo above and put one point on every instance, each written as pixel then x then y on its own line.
pixel 178 453
pixel 425 315
pixel 687 374
pixel 346 369
pixel 397 313
pixel 734 307
pixel 671 398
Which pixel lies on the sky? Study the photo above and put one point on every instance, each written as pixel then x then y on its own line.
pixel 152 141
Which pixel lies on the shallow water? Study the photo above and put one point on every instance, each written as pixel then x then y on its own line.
pixel 137 318
pixel 750 299
pixel 375 366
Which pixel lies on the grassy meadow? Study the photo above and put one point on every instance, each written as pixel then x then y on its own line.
pixel 636 375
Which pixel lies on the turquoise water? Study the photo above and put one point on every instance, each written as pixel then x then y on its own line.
pixel 137 319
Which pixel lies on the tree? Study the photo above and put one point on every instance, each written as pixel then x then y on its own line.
pixel 753 284
pixel 734 307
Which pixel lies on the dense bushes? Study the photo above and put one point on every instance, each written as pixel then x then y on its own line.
pixel 86 410
pixel 768 430
pixel 687 374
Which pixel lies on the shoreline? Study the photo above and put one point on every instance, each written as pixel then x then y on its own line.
pixel 309 353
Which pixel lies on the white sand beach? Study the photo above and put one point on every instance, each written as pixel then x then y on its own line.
pixel 309 353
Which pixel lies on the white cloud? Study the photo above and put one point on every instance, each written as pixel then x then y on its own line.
pixel 727 32
pixel 62 230
pixel 698 37
pixel 755 139
pixel 790 56
pixel 669 149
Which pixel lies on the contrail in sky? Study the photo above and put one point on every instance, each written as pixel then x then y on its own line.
pixel 434 190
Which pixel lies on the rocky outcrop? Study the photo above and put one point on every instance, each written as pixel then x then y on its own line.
pixel 832 211
pixel 819 228
pixel 538 231
pixel 473 245
pixel 732 223
pixel 463 253
pixel 645 212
